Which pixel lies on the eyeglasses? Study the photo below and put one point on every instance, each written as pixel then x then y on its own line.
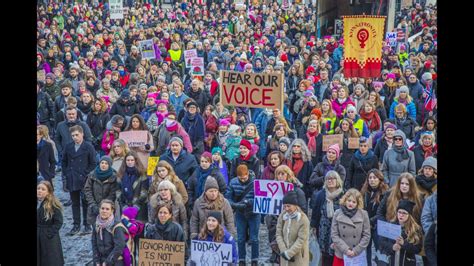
pixel 402 212
pixel 398 139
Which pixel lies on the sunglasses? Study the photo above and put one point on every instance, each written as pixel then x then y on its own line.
pixel 398 139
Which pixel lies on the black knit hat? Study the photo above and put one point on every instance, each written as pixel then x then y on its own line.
pixel 217 215
pixel 406 205
pixel 291 198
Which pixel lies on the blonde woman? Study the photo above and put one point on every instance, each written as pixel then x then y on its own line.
pixel 164 171
pixel 328 118
pixel 118 152
pixel 46 153
pixel 350 229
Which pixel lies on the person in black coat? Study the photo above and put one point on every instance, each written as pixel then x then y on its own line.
pixel 49 219
pixel 314 134
pixel 45 155
pixel 62 137
pixel 79 159
pixel 108 237
pixel 193 123
pixel 202 97
pixel 164 228
pixel 184 164
pixel 431 244
pixel 361 163
pixel 124 106
pixel 246 158
pixel 385 142
pixel 330 161
pixel 45 108
pixel 97 122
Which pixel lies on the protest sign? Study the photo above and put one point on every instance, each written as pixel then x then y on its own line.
pixel 134 138
pixel 338 27
pixel 391 38
pixel 329 140
pixel 152 162
pixel 353 143
pixel 160 252
pixel 188 55
pixel 388 230
pixel 251 89
pixel 210 253
pixel 240 5
pixel 116 9
pixel 359 260
pixel 197 65
pixel 269 196
pixel 147 49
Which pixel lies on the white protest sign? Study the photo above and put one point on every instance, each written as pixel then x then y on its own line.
pixel 269 196
pixel 116 9
pixel 147 49
pixel 210 253
pixel 197 66
pixel 388 230
pixel 391 38
pixel 134 138
pixel 360 260
pixel 188 55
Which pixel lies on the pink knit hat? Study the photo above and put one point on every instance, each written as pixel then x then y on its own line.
pixel 336 149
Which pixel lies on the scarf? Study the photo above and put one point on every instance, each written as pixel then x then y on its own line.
pixel 327 165
pixel 341 101
pixel 246 158
pixel 269 172
pixel 364 158
pixel 426 182
pixel 104 224
pixel 103 175
pixel 428 150
pixel 202 175
pixel 162 227
pixel 402 153
pixel 295 214
pixel 312 142
pixel 347 212
pixel 131 174
pixel 296 163
pixel 171 125
pixel 404 101
pixel 330 201
pixel 372 119
pixel 161 116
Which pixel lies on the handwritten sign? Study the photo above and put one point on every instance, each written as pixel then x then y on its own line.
pixel 116 9
pixel 329 140
pixel 353 143
pixel 269 196
pixel 359 260
pixel 391 38
pixel 338 27
pixel 160 252
pixel 251 90
pixel 197 66
pixel 147 49
pixel 388 230
pixel 210 253
pixel 134 138
pixel 188 55
pixel 152 162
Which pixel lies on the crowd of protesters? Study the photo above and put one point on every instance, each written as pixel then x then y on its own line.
pixel 93 84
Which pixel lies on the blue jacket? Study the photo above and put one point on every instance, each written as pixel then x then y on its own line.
pixel 184 166
pixel 430 212
pixel 234 195
pixel 411 109
pixel 228 239
pixel 261 122
pixel 177 102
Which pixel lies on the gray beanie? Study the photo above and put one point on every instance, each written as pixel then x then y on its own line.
pixel 285 140
pixel 431 162
pixel 358 85
pixel 177 139
pixel 166 184
pixel 233 129
pixel 402 89
pixel 427 76
pixel 351 108
pixel 107 159
pixel 399 133
pixel 211 182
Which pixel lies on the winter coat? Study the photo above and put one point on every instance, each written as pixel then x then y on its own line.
pixel 253 164
pixel 411 109
pixel 392 168
pixel 172 232
pixel 371 207
pixel 97 124
pixel 53 90
pixel 201 209
pixel 430 212
pixel 111 93
pixel 62 137
pixel 146 114
pixel 350 233
pixel 380 148
pixel 46 159
pixel 420 156
pixel 431 245
pixel 228 239
pixel 407 126
pixel 76 165
pixel 49 250
pixel 108 249
pixel 416 91
pixel 357 172
pixel 321 222
pixel 125 109
pixel 292 236
pixel 316 181
pixel 132 62
pixel 202 98
pixel 184 166
pixel 177 101
pixel 95 191
pixel 140 197
pixel 162 137
pixel 232 144
pixel 339 108
pixel 45 108
pixel 194 182
pixel 303 177
pixel 195 128
pixel 319 148
pixel 177 206
pixel 60 102
pixel 346 153
pixel 407 251
pixel 235 195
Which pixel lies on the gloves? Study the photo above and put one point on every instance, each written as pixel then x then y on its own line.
pixel 285 256
pixel 147 146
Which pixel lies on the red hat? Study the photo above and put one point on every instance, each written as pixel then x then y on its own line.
pixel 107 72
pixel 207 155
pixel 427 64
pixel 309 70
pixel 67 35
pixel 284 57
pixel 168 59
pixel 246 143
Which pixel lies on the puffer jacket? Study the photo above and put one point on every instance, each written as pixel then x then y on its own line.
pixel 95 191
pixel 234 195
pixel 172 231
pixel 316 180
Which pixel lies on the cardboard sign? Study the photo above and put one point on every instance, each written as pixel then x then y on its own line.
pixel 152 162
pixel 269 196
pixel 391 38
pixel 388 230
pixel 188 55
pixel 353 143
pixel 147 49
pixel 135 138
pixel 160 252
pixel 116 9
pixel 251 90
pixel 197 66
pixel 329 140
pixel 240 5
pixel 210 253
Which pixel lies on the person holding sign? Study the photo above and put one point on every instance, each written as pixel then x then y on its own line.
pixel 330 162
pixel 240 195
pixel 164 226
pixel 406 246
pixel 292 233
pixel 213 231
pixel 358 123
pixel 138 124
pixel 361 163
pixel 350 229
pixel 49 221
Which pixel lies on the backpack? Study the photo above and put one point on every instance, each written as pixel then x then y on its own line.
pixel 130 242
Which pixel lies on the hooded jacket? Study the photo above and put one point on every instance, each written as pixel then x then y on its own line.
pixel 184 166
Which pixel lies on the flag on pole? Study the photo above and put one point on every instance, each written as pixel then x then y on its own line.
pixel 363 39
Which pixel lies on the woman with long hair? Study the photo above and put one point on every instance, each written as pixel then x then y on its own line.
pixel 369 114
pixel 298 159
pixel 137 123
pixel 164 224
pixel 97 122
pixel 49 219
pixel 274 159
pixel 343 100
pixel 374 98
pixel 164 171
pixel 328 117
pixel 46 153
pixel 118 152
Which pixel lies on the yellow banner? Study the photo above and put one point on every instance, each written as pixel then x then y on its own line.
pixel 363 40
